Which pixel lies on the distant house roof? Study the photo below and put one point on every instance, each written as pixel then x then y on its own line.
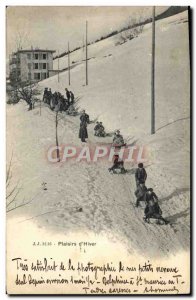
pixel 35 50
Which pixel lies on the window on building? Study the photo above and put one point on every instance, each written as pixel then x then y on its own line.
pixel 37 76
pixel 36 66
pixel 36 56
pixel 44 55
pixel 44 75
pixel 29 65
pixel 44 66
pixel 29 55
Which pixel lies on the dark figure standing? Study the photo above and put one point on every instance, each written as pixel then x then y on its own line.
pixel 140 174
pixel 71 97
pixel 83 134
pixel 45 95
pixel 49 96
pixel 67 94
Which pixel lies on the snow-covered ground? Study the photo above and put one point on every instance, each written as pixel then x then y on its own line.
pixel 85 197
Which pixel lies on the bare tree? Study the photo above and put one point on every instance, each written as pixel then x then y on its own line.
pixel 13 200
pixel 22 36
pixel 134 27
pixel 24 91
pixel 29 93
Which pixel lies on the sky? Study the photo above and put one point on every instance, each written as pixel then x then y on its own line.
pixel 51 27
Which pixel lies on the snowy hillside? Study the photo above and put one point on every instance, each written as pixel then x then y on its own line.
pixel 83 196
pixel 121 75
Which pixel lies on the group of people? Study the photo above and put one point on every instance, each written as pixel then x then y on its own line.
pixel 152 209
pixel 143 194
pixel 99 129
pixel 60 102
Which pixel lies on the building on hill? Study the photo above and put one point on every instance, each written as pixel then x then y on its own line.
pixel 31 65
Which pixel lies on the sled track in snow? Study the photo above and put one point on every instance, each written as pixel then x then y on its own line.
pixel 109 203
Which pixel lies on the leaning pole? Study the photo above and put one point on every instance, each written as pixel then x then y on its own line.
pixel 153 74
pixel 86 53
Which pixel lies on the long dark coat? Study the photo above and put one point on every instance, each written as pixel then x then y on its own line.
pixel 83 134
pixel 140 175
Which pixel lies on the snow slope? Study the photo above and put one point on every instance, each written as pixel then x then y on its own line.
pixel 119 95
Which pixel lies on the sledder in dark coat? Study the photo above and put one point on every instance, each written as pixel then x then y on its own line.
pixel 118 164
pixel 118 140
pixel 140 174
pixel 96 128
pixel 83 134
pixel 140 193
pixel 101 130
pixel 152 209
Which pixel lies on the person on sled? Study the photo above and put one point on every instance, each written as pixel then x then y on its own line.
pixel 83 133
pixel 140 175
pixel 152 209
pixel 101 130
pixel 118 140
pixel 96 128
pixel 71 110
pixel 118 165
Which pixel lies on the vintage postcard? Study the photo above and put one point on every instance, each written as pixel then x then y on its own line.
pixel 98 150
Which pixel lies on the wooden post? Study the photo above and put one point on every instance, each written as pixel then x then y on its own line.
pixel 153 75
pixel 86 53
pixel 68 64
pixel 57 141
pixel 58 65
